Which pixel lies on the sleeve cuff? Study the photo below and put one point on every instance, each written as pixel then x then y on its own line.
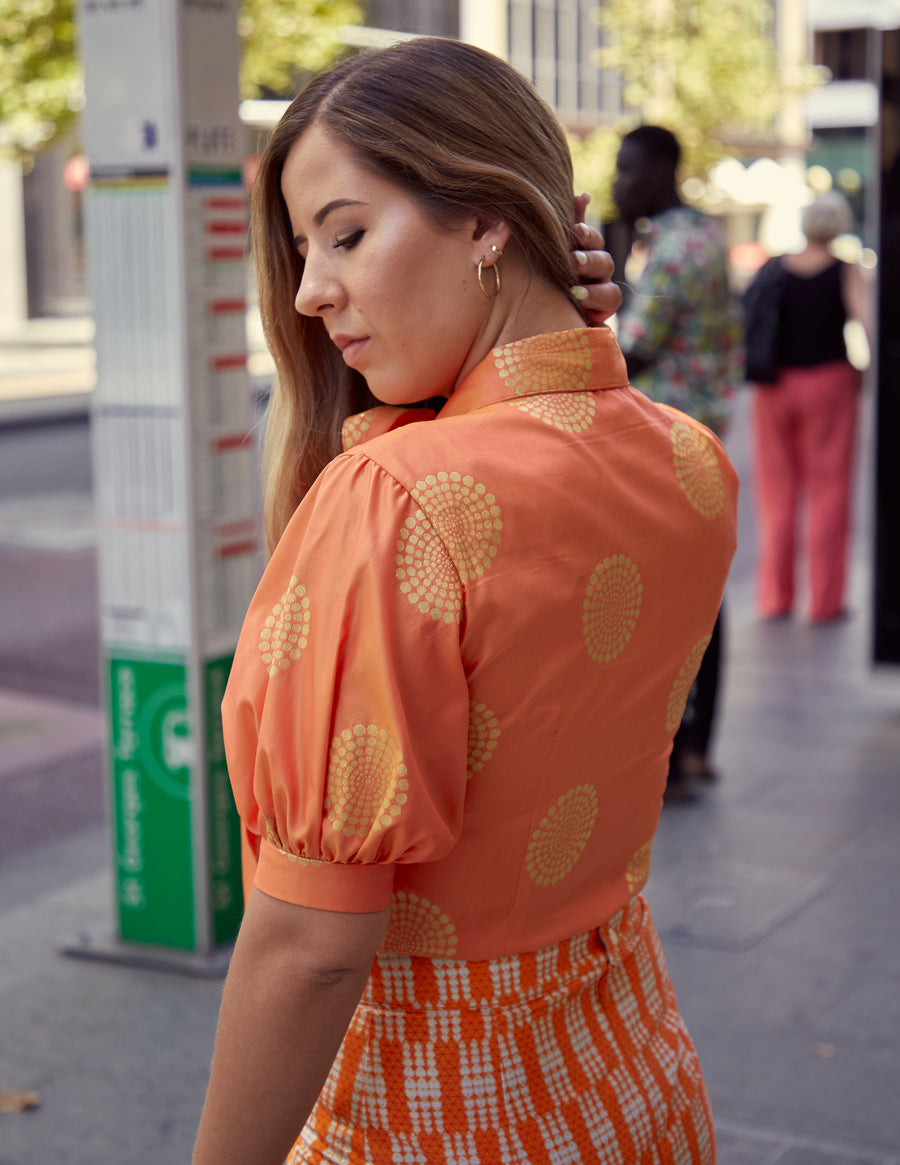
pixel 356 889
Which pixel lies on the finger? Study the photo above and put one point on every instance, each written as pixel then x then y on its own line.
pixel 601 302
pixel 604 297
pixel 591 238
pixel 594 266
pixel 582 201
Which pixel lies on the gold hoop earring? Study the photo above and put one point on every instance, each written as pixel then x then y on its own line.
pixel 496 270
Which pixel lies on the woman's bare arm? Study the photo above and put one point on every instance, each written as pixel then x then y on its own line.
pixel 295 979
pixel 857 295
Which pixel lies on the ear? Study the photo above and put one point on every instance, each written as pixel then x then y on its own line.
pixel 489 232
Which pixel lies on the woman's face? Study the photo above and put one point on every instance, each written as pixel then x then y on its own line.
pixel 397 292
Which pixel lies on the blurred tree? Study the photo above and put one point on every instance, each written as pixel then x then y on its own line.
pixel 704 69
pixel 41 94
pixel 286 39
pixel 41 84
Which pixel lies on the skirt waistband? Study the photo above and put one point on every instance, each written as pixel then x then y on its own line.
pixel 409 983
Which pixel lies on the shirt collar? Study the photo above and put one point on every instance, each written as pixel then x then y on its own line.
pixel 581 360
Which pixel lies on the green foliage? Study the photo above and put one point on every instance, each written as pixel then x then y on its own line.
pixel 594 162
pixel 41 85
pixel 703 68
pixel 285 39
pixel 41 92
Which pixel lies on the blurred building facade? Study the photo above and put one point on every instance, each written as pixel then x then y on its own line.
pixel 843 114
pixel 855 124
pixel 554 43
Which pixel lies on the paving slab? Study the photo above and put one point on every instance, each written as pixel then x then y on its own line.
pixel 740 1145
pixel 117 1056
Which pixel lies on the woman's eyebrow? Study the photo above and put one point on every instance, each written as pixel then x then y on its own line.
pixel 323 213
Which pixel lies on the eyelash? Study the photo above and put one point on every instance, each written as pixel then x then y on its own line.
pixel 350 241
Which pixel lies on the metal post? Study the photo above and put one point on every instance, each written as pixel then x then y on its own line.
pixel 886 598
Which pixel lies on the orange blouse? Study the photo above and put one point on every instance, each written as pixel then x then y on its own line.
pixel 458 682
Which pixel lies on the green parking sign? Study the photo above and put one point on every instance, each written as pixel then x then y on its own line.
pixel 156 770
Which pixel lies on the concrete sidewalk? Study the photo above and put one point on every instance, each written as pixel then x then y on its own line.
pixel 776 896
pixel 47 370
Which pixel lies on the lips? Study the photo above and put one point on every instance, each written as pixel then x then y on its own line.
pixel 350 346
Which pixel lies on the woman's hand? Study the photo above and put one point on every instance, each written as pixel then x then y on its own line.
pixel 596 294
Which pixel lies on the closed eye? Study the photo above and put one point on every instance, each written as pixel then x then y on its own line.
pixel 349 241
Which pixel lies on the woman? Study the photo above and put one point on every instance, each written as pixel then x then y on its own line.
pixel 450 712
pixel 805 422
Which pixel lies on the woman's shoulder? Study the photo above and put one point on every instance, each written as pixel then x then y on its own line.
pixel 801 268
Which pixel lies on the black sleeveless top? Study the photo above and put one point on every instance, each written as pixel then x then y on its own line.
pixel 812 318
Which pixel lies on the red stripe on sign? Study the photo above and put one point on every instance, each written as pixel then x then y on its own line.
pixel 236 529
pixel 232 441
pixel 225 203
pixel 236 548
pixel 222 306
pixel 224 254
pixel 226 228
pixel 224 363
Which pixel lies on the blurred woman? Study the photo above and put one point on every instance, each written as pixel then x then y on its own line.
pixel 805 422
pixel 451 708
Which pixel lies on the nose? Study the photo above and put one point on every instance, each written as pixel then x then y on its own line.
pixel 318 290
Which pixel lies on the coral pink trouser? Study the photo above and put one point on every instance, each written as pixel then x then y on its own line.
pixel 804 443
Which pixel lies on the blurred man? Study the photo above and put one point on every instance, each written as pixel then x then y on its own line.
pixel 678 329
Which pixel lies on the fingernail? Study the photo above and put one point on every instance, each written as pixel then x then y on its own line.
pixel 581 257
pixel 578 292
pixel 581 228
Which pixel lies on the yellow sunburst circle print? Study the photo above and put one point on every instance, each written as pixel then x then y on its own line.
pixel 684 681
pixel 697 469
pixel 453 538
pixel 366 785
pixel 559 840
pixel 570 412
pixel 484 732
pixel 612 604
pixel 286 630
pixel 355 428
pixel 637 872
pixel 420 927
pixel 557 363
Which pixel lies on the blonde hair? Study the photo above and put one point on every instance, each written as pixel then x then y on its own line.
pixel 826 217
pixel 464 134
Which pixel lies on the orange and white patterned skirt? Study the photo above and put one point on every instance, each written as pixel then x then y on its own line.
pixel 574 1053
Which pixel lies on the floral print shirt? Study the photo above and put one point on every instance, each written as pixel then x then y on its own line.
pixel 682 317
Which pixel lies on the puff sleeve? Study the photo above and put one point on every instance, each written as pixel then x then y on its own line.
pixel 346 711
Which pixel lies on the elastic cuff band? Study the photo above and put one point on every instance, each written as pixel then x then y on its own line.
pixel 356 889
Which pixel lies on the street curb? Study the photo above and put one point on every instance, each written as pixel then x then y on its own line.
pixel 44 410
